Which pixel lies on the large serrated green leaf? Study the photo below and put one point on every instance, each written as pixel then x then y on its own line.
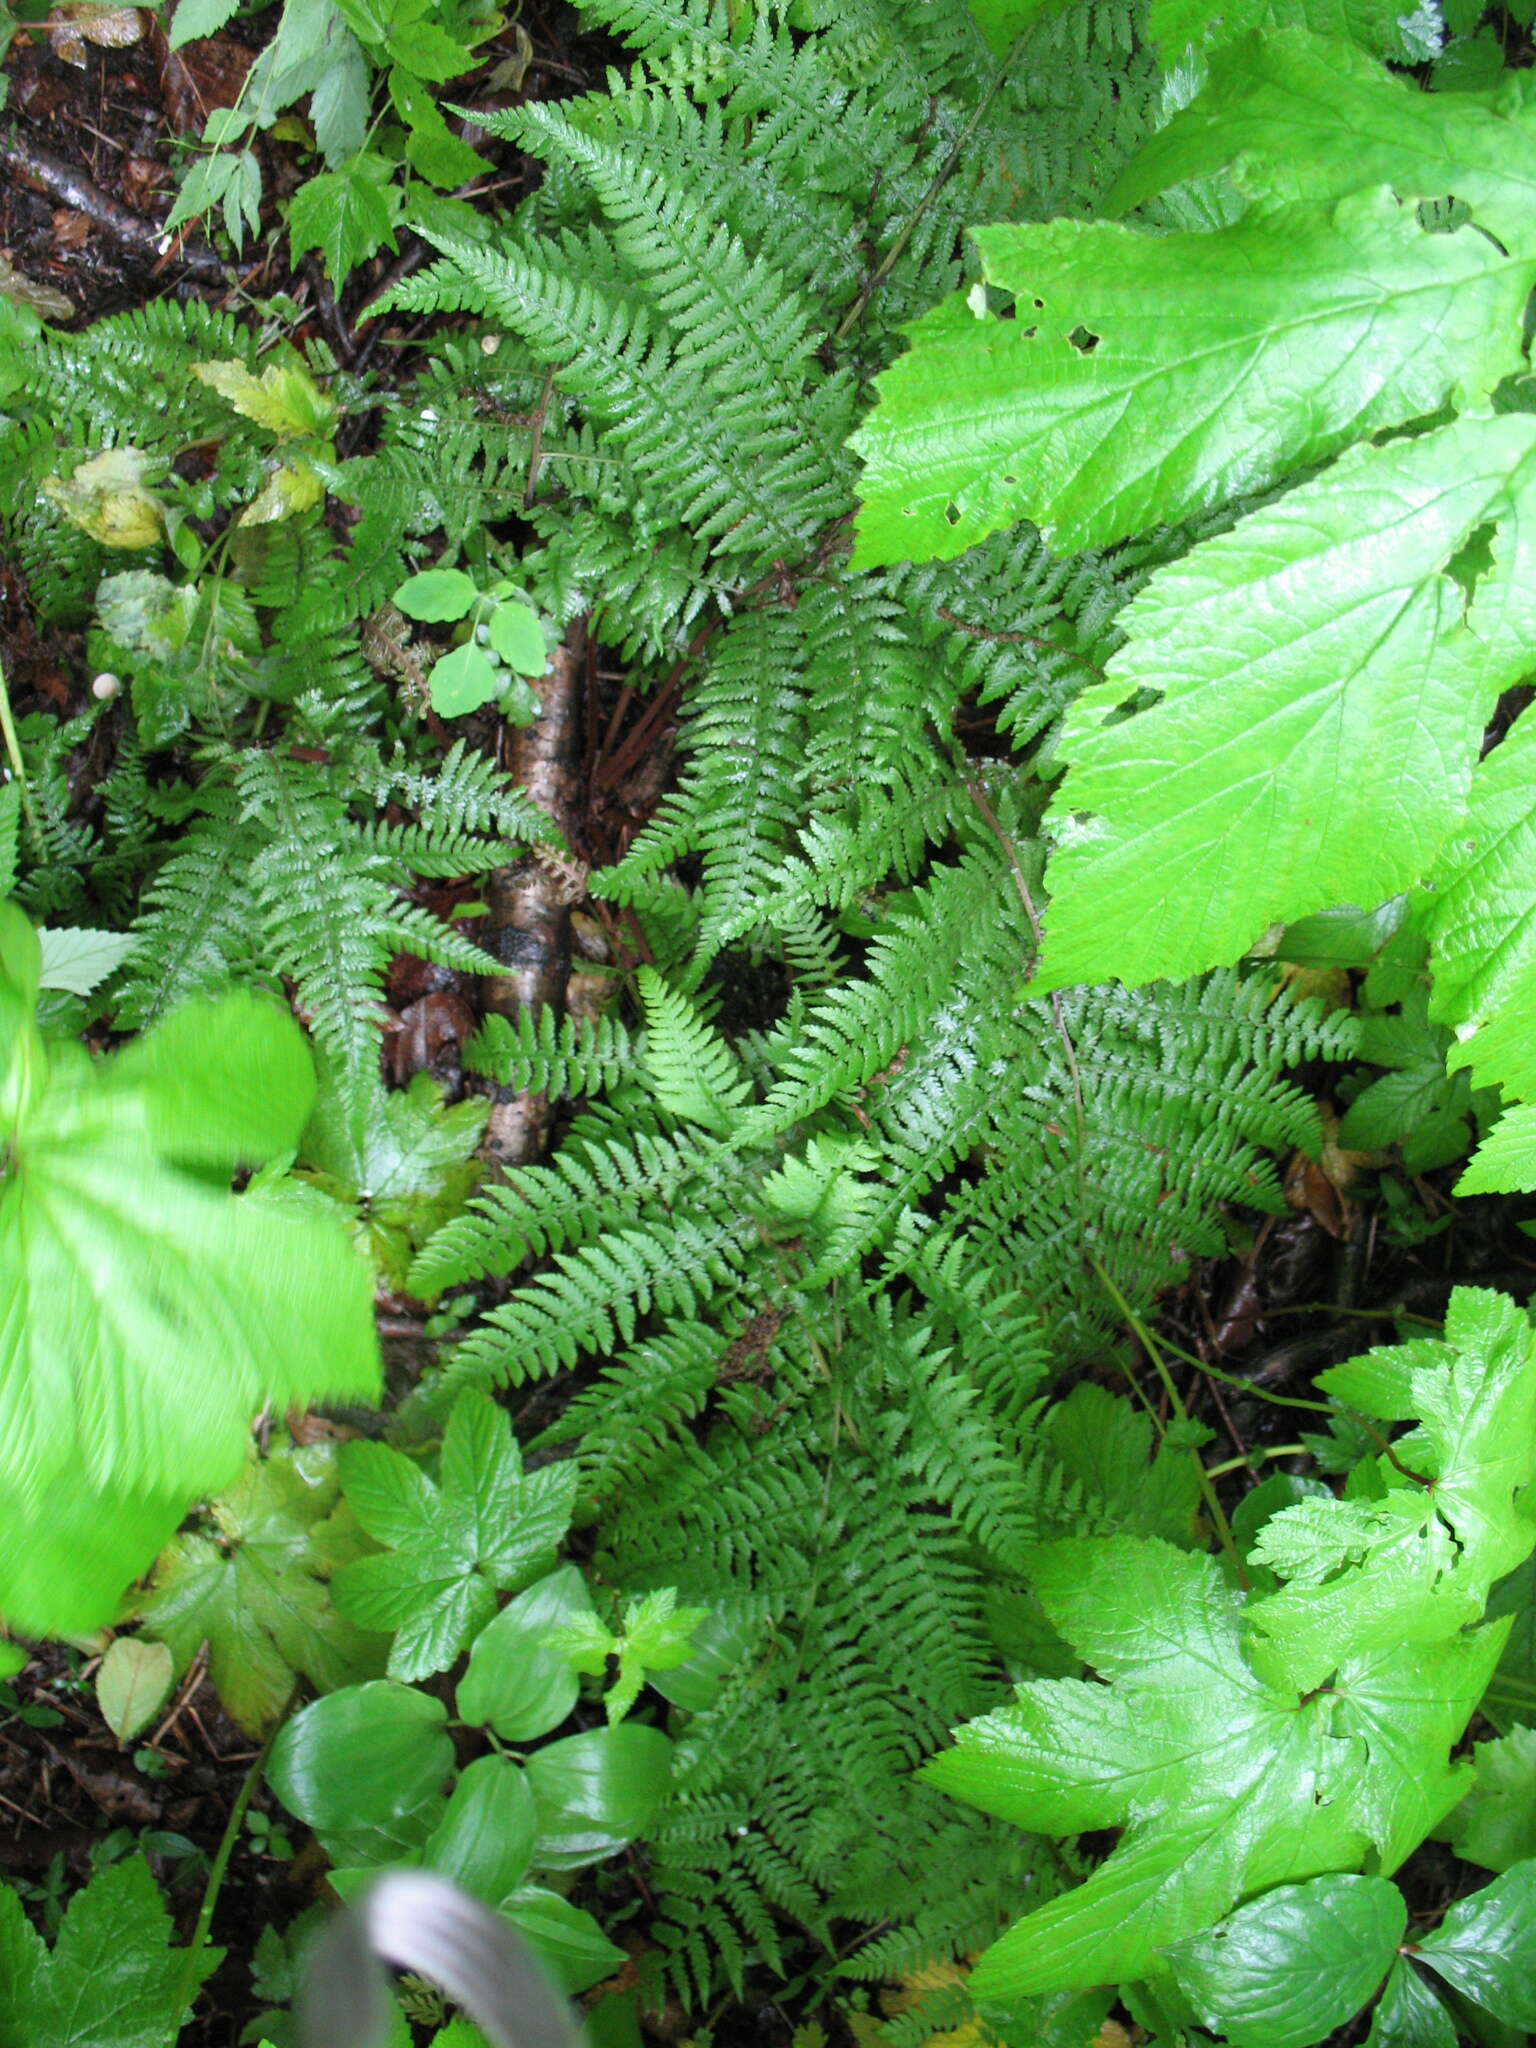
pixel 1304 117
pixel 1481 923
pixel 1288 1968
pixel 1142 379
pixel 146 1313
pixel 1320 685
pixel 1417 1564
pixel 1218 1780
pixel 1380 27
pixel 1228 1766
pixel 112 1976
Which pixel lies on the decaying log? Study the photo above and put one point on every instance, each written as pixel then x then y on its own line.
pixel 529 923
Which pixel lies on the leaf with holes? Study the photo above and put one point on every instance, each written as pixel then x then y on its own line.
pixel 1313 688
pixel 1138 380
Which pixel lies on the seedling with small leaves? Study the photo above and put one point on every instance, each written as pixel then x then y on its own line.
pixel 482 1527
pixel 654 1635
pixel 501 643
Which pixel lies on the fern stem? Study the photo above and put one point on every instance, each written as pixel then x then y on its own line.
pixel 1232 1379
pixel 1267 1451
pixel 1148 1344
pixel 536 445
pixel 186 1986
pixel 1364 1315
pixel 989 817
pixel 893 255
pixel 13 755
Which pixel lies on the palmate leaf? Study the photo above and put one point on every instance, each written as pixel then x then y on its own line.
pixel 111 1977
pixel 1227 1762
pixel 1223 1784
pixel 1142 379
pixel 146 1313
pixel 1320 681
pixel 255 1592
pixel 484 1527
pixel 1418 1563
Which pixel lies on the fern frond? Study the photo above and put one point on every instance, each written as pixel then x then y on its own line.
pixel 628 1420
pixel 592 1299
pixel 694 1073
pixel 577 1056
pixel 597 1179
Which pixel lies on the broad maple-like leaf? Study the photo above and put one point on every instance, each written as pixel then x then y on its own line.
pixel 111 1976
pixel 1142 379
pixel 1317 683
pixel 256 1592
pixel 484 1527
pixel 1223 1784
pixel 146 1313
pixel 1418 1562
pixel 1228 1763
pixel 1308 117
pixel 1481 923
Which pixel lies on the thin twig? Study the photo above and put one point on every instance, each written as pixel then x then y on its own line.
pixel 892 255
pixel 72 188
pixel 536 446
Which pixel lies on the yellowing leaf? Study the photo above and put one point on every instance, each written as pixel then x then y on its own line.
pixel 109 28
pixel 108 498
pixel 284 397
pixel 133 1684
pixel 291 487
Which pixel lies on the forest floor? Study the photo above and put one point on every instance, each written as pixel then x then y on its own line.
pixel 99 110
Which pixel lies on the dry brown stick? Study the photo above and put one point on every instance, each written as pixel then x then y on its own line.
pixel 528 926
pixel 72 188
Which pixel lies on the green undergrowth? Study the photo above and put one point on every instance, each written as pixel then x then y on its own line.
pixel 1085 633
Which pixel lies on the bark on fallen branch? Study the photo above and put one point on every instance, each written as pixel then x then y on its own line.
pixel 72 188
pixel 529 923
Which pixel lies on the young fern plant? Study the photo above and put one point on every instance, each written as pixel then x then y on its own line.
pixel 811 1279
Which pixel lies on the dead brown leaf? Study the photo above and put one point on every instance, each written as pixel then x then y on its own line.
pixel 71 230
pixel 69 29
pixel 15 284
pixel 208 73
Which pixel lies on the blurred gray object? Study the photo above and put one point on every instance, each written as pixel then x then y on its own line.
pixel 419 1922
